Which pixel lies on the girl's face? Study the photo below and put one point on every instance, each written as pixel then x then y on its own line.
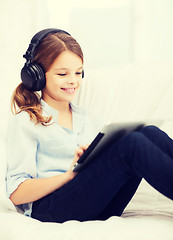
pixel 63 79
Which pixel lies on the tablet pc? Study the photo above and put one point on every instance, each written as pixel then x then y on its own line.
pixel 110 133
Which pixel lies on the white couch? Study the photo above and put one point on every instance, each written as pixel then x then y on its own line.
pixel 130 92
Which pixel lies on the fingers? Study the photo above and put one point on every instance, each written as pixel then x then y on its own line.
pixel 80 150
pixel 84 147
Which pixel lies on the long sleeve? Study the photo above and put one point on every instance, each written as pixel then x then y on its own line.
pixel 21 152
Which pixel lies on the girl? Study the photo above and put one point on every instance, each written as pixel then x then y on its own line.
pixel 48 134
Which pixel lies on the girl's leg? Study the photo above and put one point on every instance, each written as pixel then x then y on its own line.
pixel 118 204
pixel 159 138
pixel 121 199
pixel 96 187
pixel 151 160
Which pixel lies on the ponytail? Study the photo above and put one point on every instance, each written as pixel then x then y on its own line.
pixel 29 101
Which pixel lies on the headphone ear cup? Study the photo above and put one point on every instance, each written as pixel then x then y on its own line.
pixel 82 73
pixel 33 77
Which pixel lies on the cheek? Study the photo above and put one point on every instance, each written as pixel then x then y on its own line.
pixel 50 88
pixel 80 82
pixel 52 83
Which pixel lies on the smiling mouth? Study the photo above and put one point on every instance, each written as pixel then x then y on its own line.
pixel 69 90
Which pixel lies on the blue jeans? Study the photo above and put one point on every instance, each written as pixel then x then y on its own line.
pixel 105 187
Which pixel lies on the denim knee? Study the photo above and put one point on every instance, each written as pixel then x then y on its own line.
pixel 150 129
pixel 153 133
pixel 135 137
pixel 131 143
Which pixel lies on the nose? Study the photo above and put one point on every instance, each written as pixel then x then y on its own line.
pixel 72 79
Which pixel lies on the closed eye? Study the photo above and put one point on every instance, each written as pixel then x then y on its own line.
pixel 62 74
pixel 78 73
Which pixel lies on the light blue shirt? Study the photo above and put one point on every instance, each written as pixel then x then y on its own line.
pixel 37 151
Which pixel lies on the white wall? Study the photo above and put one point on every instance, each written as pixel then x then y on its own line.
pixel 153 37
pixel 118 31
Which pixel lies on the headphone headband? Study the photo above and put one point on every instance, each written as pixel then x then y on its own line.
pixel 37 38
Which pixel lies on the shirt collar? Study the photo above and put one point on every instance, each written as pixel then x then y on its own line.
pixel 76 109
pixel 78 118
pixel 49 110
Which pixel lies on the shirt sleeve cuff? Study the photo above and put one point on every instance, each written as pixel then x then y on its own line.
pixel 13 185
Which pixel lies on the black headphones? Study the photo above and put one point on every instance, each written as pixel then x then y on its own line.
pixel 32 74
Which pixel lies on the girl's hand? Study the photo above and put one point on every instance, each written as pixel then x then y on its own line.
pixel 78 153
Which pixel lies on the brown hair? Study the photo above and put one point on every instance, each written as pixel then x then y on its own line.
pixel 47 51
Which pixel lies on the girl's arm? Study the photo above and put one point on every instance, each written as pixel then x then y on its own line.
pixel 34 189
